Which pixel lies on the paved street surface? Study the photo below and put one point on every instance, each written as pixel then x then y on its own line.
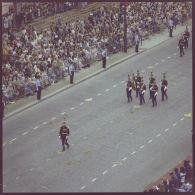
pixel 114 146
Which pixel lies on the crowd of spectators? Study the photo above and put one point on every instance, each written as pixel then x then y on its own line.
pixel 49 52
pixel 181 180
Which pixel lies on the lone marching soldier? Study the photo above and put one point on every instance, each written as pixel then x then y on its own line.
pixel 63 135
pixel 142 92
pixel 151 83
pixel 164 85
pixel 129 88
pixel 137 83
pixel 154 93
pixel 181 46
pixel 186 37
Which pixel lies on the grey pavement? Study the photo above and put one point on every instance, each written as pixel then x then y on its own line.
pixel 96 68
pixel 114 146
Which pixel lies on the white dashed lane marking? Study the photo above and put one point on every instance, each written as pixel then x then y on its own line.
pixel 174 124
pixel 166 130
pixel 99 94
pixel 31 169
pixel 94 179
pixel 182 119
pixel 114 85
pixel 107 90
pixel 169 57
pixel 143 71
pixel 25 133
pixel 48 159
pixel 53 118
pixel 106 171
pixel 158 135
pixel 62 113
pixel 156 63
pixel 44 123
pixel 175 54
pixel 141 147
pixel 114 165
pixel 163 60
pixel 13 140
pixel 122 81
pixel 81 103
pixel 72 108
pixel 133 152
pixel 150 141
pixel 35 127
pixel 83 187
pixel 124 159
pixel 44 187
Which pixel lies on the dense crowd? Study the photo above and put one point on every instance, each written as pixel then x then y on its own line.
pixel 49 52
pixel 181 180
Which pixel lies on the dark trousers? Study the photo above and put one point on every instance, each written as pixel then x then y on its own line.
pixel 64 142
pixel 137 92
pixel 136 47
pixel 141 98
pixel 181 50
pixel 154 100
pixel 104 62
pixel 71 77
pixel 129 97
pixel 164 94
pixel 186 43
pixel 150 94
pixel 170 31
pixel 39 93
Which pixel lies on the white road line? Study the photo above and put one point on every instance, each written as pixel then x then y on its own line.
pixel 175 54
pixel 166 130
pixel 141 147
pixel 163 60
pixel 81 103
pixel 62 113
pixel 35 127
pixel 17 177
pixel 99 94
pixel 94 179
pixel 174 124
pixel 44 123
pixel 143 71
pixel 25 133
pixel 182 119
pixel 114 165
pixel 48 159
pixel 122 81
pixel 13 140
pixel 44 187
pixel 53 118
pixel 156 63
pixel 83 187
pixel 31 169
pixel 158 135
pixel 133 152
pixel 169 57
pixel 106 171
pixel 72 108
pixel 124 159
pixel 150 141
pixel 114 85
pixel 107 90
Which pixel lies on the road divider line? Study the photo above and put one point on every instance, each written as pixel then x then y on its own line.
pixel 181 119
pixel 163 60
pixel 175 54
pixel 114 85
pixel 124 159
pixel 83 187
pixel 53 118
pixel 156 64
pixel 122 81
pixel 31 169
pixel 150 141
pixel 133 152
pixel 81 103
pixel 35 127
pixel 44 187
pixel 25 133
pixel 166 130
pixel 143 70
pixel 62 113
pixel 94 179
pixel 99 94
pixel 158 135
pixel 107 90
pixel 13 140
pixel 44 123
pixel 72 108
pixel 174 124
pixel 106 171
pixel 141 147
pixel 169 57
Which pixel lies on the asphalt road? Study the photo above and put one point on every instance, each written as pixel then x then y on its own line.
pixel 114 146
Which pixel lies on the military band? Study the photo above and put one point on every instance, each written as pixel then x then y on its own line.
pixel 164 85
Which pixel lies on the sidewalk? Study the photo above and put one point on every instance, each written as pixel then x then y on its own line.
pixel 96 68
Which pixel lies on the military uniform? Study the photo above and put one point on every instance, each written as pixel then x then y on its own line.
pixel 137 84
pixel 154 93
pixel 164 85
pixel 151 81
pixel 129 89
pixel 181 46
pixel 186 38
pixel 142 92
pixel 63 134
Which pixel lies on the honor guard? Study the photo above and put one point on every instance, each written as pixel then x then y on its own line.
pixel 181 45
pixel 151 80
pixel 142 92
pixel 164 85
pixel 63 135
pixel 154 93
pixel 137 83
pixel 129 89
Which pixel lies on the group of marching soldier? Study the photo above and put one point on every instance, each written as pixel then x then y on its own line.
pixel 136 83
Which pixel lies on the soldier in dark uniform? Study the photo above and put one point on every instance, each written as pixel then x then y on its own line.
pixel 63 135
pixel 150 83
pixel 129 89
pixel 186 36
pixel 137 83
pixel 164 85
pixel 142 92
pixel 154 93
pixel 181 46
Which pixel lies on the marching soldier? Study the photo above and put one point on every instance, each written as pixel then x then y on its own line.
pixel 142 92
pixel 137 83
pixel 129 89
pixel 151 83
pixel 63 135
pixel 164 85
pixel 181 46
pixel 186 37
pixel 154 93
